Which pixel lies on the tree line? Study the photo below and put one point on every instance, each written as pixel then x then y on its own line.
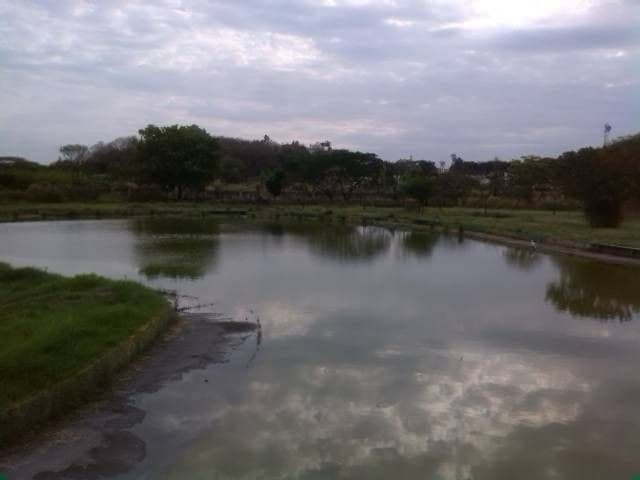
pixel 183 161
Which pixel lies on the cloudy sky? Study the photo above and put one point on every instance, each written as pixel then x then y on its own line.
pixel 481 78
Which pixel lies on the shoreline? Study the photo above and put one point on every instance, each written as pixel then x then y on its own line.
pixel 46 406
pixel 558 249
pixel 97 437
pixel 49 402
pixel 395 218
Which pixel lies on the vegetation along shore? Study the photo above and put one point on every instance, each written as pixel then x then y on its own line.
pixel 64 338
pixel 60 334
pixel 587 196
pixel 566 229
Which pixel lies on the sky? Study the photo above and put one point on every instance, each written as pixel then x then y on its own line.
pixel 420 78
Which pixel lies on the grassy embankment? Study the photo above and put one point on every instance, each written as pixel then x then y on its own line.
pixel 539 225
pixel 63 337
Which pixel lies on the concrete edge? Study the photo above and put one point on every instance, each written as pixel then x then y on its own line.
pixel 553 248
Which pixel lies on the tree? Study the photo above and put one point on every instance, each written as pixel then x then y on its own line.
pixel 420 188
pixel 274 182
pixel 248 158
pixel 293 157
pixel 231 169
pixel 527 175
pixel 423 167
pixel 116 157
pixel 177 157
pixel 342 172
pixel 73 153
pixel 602 179
pixel 451 187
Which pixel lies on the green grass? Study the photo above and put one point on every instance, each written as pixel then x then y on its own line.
pixel 52 327
pixel 569 226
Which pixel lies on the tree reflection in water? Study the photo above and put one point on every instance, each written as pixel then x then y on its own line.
pixel 590 289
pixel 341 243
pixel 521 258
pixel 175 247
pixel 420 244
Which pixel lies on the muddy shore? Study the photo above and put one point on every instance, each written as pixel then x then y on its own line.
pixel 96 441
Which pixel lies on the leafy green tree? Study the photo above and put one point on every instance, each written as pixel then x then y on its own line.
pixel 177 157
pixel 274 182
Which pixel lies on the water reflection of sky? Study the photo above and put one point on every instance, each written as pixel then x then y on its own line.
pixel 384 354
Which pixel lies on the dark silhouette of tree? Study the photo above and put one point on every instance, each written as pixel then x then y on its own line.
pixel 245 159
pixel 602 179
pixel 116 158
pixel 484 169
pixel 341 172
pixel 413 167
pixel 450 188
pixel 274 182
pixel 177 157
pixel 419 188
pixel 74 153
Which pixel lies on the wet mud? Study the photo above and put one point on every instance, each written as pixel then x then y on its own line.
pixel 96 441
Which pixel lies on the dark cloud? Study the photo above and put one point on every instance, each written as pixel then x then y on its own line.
pixel 399 78
pixel 567 39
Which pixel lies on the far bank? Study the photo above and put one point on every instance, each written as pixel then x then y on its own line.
pixel 567 229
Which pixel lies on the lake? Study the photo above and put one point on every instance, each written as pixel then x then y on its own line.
pixel 379 354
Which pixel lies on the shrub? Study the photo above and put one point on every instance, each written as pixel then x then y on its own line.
pixel 44 193
pixel 144 193
pixel 418 188
pixel 83 192
pixel 275 182
pixel 604 210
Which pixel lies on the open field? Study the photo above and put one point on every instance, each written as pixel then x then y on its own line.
pixel 54 327
pixel 538 225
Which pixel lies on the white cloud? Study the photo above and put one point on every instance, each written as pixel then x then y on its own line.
pixel 509 13
pixel 357 72
pixel 202 49
pixel 399 22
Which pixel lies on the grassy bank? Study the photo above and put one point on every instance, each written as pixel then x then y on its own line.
pixel 54 328
pixel 539 225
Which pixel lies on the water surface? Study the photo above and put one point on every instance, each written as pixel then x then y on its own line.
pixel 381 354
